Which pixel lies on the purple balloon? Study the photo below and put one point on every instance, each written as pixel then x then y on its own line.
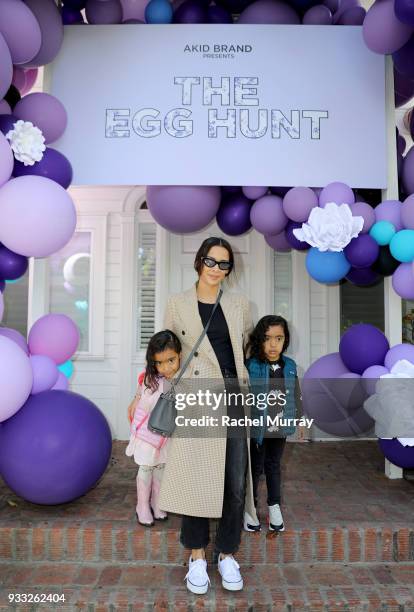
pixel 254 193
pixel 191 11
pixel 45 373
pixel 134 9
pixel 55 448
pixel 362 251
pixel 183 209
pixel 6 67
pixel 20 29
pixel 403 281
pixel 342 6
pixel 54 335
pixel 50 22
pixel 298 203
pixel 5 108
pixel 336 192
pixel 382 31
pixel 75 5
pixel 332 5
pixel 402 59
pixel 53 165
pixel 132 21
pixel 280 191
pixel 291 238
pixel 389 210
pixel 362 209
pixel 16 336
pixel 407 172
pixel 371 376
pixel 218 14
pixel 233 216
pixel 269 11
pixel 227 189
pixel 15 376
pixel 362 277
pixel 404 11
pixel 46 112
pixel 6 160
pixel 71 16
pixel 12 265
pixel 103 12
pixel 2 288
pixel 394 451
pixel 353 16
pixel 278 242
pixel 7 123
pixel 398 352
pixel 350 392
pixel 318 15
pixel 407 212
pixel 403 88
pixel 267 216
pixel 62 383
pixel 362 346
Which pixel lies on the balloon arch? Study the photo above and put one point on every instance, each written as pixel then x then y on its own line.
pixel 346 233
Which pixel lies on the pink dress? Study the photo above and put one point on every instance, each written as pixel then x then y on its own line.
pixel 143 452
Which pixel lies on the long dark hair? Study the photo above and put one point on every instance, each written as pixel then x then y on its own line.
pixel 257 337
pixel 204 249
pixel 159 342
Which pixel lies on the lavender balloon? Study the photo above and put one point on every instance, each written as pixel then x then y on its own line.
pixel 318 15
pixel 15 377
pixel 254 193
pixel 389 210
pixel 233 216
pixel 370 377
pixel 16 337
pixel 53 166
pixel 12 265
pixel 407 172
pixel 45 373
pixel 278 242
pixel 20 29
pixel 183 209
pixel 6 160
pixel 269 11
pixel 62 383
pixel 398 352
pixel 298 203
pixel 407 212
pixel 267 215
pixel 403 281
pixel 99 12
pixel 134 9
pixel 382 31
pixel 362 346
pixel 5 108
pixel 6 67
pixel 291 238
pixel 338 193
pixel 362 209
pixel 46 112
pixel 362 251
pixel 50 22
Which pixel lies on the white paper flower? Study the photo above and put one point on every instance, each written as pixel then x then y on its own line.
pixel 331 228
pixel 27 142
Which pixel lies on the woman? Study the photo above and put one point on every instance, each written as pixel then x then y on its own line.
pixel 207 477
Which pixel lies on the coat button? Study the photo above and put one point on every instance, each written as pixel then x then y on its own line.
pixel 183 332
pixel 196 372
pixel 196 354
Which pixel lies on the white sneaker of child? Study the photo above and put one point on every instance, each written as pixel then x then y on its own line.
pixel 275 518
pixel 250 523
pixel 197 577
pixel 229 570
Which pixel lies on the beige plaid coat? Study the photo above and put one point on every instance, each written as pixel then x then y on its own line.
pixel 193 481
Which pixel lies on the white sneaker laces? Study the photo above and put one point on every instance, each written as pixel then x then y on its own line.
pixel 197 571
pixel 231 569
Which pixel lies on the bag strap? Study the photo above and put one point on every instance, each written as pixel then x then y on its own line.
pixel 197 344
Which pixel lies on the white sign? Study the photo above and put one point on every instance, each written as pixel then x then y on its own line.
pixel 221 105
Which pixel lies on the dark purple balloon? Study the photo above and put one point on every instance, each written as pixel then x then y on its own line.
pixel 403 59
pixel 403 88
pixel 66 453
pixel 230 189
pixel 7 123
pixel 218 14
pixel 394 451
pixel 291 238
pixel 401 143
pixel 2 285
pixel 404 11
pixel 362 277
pixel 71 16
pixel 53 165
pixel 280 191
pixel 362 346
pixel 191 11
pixel 233 216
pixel 352 16
pixel 75 5
pixel 362 251
pixel 12 265
pixel 234 6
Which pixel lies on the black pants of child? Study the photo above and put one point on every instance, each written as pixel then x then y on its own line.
pixel 195 529
pixel 267 456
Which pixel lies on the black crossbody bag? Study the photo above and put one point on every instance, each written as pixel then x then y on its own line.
pixel 163 415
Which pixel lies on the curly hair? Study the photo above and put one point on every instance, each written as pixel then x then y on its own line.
pixel 257 337
pixel 159 342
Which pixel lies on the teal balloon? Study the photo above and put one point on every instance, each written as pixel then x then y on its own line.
pixel 402 246
pixel 382 232
pixel 327 266
pixel 159 11
pixel 66 368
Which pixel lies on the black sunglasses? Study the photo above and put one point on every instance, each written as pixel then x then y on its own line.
pixel 210 262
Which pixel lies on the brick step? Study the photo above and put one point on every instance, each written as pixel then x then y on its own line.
pixel 125 541
pixel 293 588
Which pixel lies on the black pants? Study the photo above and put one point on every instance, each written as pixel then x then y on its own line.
pixel 195 529
pixel 267 456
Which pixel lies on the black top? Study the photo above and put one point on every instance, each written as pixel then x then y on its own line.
pixel 218 334
pixel 276 374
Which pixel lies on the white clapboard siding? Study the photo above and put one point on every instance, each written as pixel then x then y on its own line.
pixel 319 317
pixel 145 287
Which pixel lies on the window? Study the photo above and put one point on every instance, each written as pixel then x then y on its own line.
pixel 362 305
pixel 15 304
pixel 408 321
pixel 146 259
pixel 283 285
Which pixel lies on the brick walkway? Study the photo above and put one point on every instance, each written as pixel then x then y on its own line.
pixel 348 544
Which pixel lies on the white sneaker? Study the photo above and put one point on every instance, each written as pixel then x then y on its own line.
pixel 250 523
pixel 275 518
pixel 197 577
pixel 230 574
